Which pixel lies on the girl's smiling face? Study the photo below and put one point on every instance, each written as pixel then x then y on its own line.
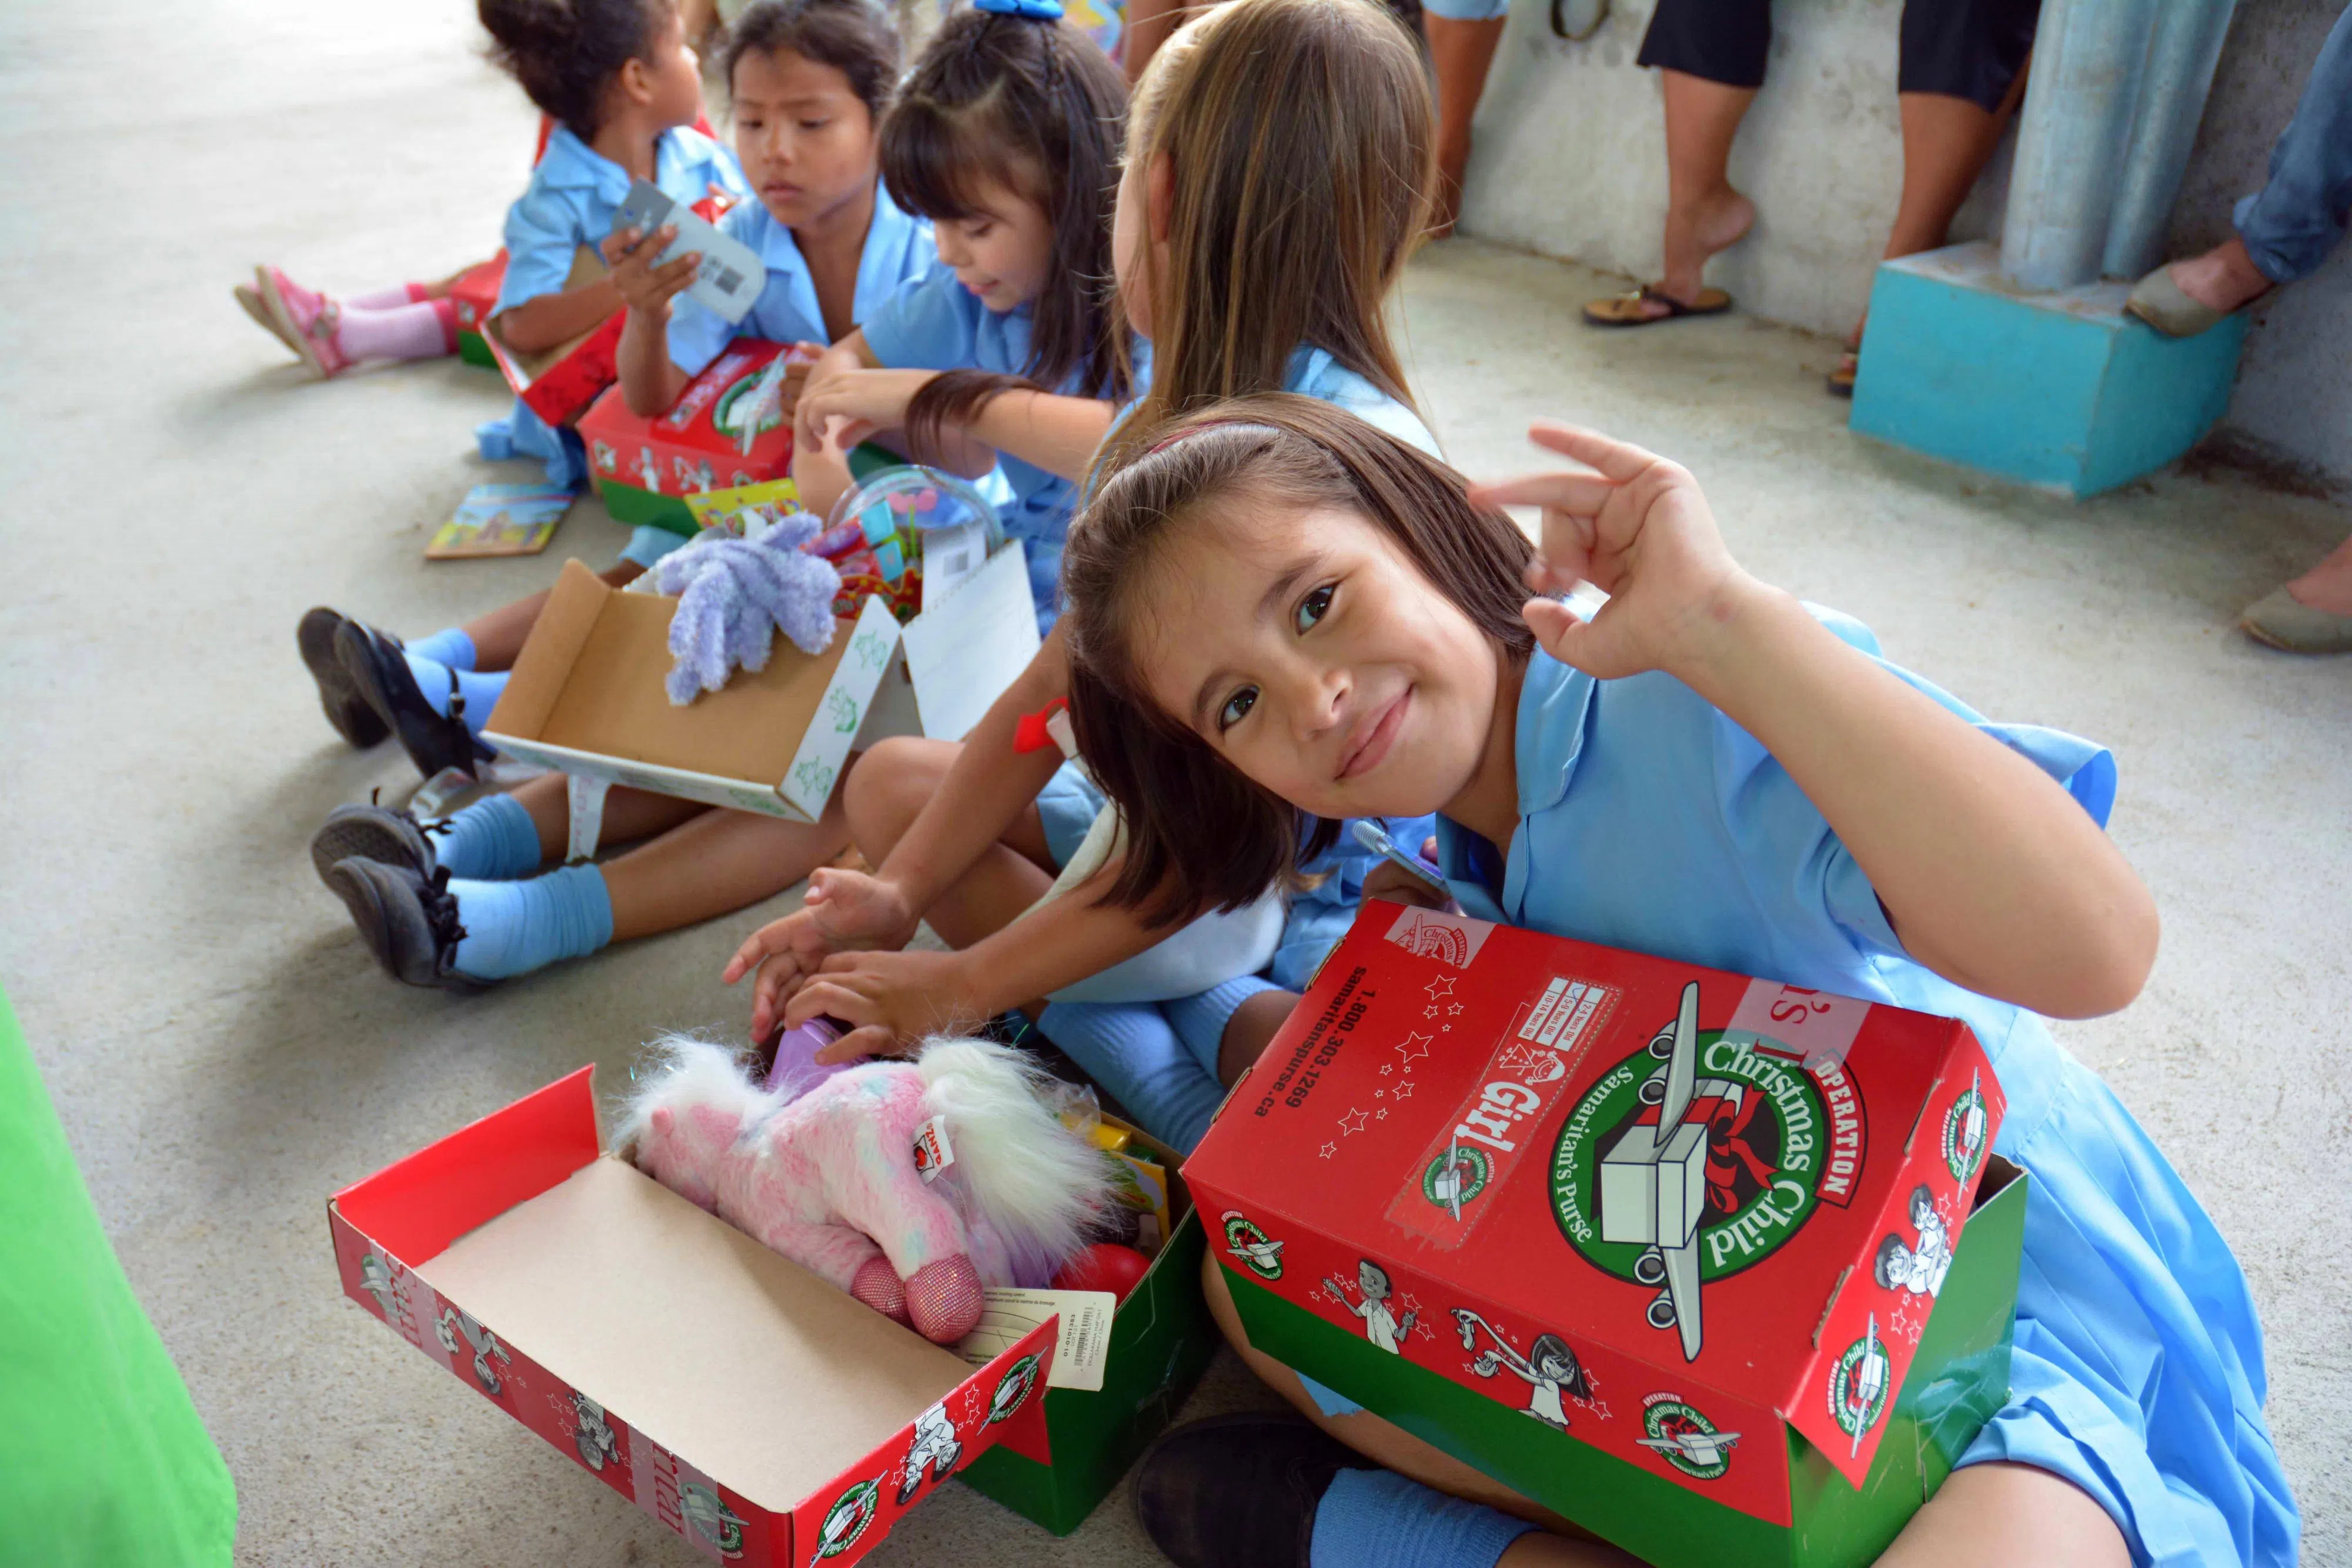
pixel 1305 648
pixel 805 138
pixel 1002 250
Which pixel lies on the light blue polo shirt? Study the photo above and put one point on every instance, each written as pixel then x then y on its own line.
pixel 935 323
pixel 574 193
pixel 897 247
pixel 1313 372
pixel 1650 820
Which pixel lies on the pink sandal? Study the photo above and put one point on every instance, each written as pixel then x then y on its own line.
pixel 305 320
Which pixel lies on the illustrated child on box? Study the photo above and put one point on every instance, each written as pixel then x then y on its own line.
pixel 1277 614
pixel 1260 229
pixel 621 92
pixel 1051 103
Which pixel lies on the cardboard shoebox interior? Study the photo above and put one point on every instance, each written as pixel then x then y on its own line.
pixel 587 696
pixel 560 382
pixel 734 1394
pixel 1672 1213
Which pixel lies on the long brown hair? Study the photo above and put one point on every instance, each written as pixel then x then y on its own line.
pixel 1200 834
pixel 1299 136
pixel 1033 104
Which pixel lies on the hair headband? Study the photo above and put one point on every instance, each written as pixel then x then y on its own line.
pixel 1033 10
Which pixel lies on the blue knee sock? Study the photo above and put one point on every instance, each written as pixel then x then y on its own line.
pixel 448 646
pixel 492 840
pixel 514 927
pixel 480 692
pixel 1131 1050
pixel 1201 1020
pixel 1377 1519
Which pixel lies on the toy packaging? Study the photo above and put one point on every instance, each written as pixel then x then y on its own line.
pixel 500 519
pixel 1721 1269
pixel 726 430
pixel 750 1406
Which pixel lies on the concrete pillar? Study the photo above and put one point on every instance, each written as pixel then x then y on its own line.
pixel 2089 59
pixel 2180 62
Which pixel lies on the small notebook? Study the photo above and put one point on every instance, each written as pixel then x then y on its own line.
pixel 500 519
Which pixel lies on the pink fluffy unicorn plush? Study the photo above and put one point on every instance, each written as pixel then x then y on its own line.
pixel 829 1175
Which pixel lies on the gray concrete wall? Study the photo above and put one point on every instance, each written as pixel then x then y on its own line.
pixel 1571 162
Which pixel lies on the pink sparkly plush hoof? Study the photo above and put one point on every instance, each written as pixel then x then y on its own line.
pixel 876 1284
pixel 943 1300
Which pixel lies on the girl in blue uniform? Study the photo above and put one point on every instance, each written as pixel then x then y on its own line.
pixel 1275 613
pixel 810 81
pixel 1006 136
pixel 1260 228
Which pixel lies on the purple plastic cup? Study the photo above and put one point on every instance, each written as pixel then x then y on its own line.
pixel 796 1067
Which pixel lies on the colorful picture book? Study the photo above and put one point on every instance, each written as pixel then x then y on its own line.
pixel 501 519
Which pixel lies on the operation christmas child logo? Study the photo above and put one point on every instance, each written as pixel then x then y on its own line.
pixel 846 1520
pixel 1676 1432
pixel 1964 1132
pixel 1699 1156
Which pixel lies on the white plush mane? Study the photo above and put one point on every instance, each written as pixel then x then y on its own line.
pixel 679 1070
pixel 1037 1183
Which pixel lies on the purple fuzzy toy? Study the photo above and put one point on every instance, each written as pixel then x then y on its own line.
pixel 734 596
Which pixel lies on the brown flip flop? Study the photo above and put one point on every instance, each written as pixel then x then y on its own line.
pixel 1626 309
pixel 1841 380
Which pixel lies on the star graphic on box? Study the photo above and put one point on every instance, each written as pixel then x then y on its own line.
pixel 1404 1090
pixel 1381 1115
pixel 1330 1149
pixel 1387 1067
pixel 1412 1048
pixel 1439 986
pixel 1453 1009
pixel 1356 1115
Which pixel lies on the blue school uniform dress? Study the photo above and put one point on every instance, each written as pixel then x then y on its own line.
pixel 1159 1060
pixel 1649 820
pixel 935 323
pixel 898 247
pixel 570 203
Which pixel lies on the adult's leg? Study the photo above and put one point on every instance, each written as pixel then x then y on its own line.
pixel 1461 52
pixel 2007 1516
pixel 1704 212
pixel 1947 141
pixel 2290 225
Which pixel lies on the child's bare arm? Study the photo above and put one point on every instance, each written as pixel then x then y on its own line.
pixel 539 324
pixel 650 382
pixel 1056 433
pixel 1990 872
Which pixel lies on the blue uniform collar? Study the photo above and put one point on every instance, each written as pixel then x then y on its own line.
pixel 571 164
pixel 881 267
pixel 1555 707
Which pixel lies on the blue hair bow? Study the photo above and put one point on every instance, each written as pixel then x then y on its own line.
pixel 1036 10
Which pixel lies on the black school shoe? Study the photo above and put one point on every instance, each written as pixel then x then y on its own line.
pixel 409 921
pixel 1237 1491
pixel 373 833
pixel 346 709
pixel 378 670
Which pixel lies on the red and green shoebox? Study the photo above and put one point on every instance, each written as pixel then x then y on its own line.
pixel 1721 1269
pixel 646 467
pixel 1160 1343
pixel 475 294
pixel 557 1280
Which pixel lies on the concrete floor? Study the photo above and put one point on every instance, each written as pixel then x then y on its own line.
pixel 225 1055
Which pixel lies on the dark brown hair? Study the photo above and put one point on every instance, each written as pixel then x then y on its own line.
pixel 1201 835
pixel 1034 105
pixel 565 52
pixel 1299 136
pixel 852 37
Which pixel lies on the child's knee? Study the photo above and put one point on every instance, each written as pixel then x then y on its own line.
pixel 887 789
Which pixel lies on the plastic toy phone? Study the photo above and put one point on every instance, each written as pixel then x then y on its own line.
pixel 1375 838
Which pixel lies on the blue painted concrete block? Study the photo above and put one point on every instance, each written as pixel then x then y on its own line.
pixel 2059 388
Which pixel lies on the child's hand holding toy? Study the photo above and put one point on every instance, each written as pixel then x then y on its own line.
pixel 647 289
pixel 893 1001
pixel 865 401
pixel 845 911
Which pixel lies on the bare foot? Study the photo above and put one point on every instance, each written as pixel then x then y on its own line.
pixel 2222 278
pixel 1693 233
pixel 2328 585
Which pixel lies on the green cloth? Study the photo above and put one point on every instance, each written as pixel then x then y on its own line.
pixel 103 1463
